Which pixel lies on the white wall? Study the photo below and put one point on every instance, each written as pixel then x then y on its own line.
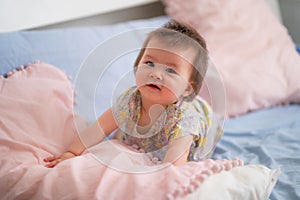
pixel 138 12
pixel 25 14
pixel 290 12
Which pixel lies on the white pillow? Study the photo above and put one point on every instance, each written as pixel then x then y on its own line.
pixel 248 182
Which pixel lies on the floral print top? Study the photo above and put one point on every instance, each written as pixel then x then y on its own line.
pixel 177 120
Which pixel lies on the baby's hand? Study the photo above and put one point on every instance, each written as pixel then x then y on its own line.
pixel 54 160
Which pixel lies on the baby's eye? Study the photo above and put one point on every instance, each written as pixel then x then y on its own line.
pixel 150 64
pixel 170 70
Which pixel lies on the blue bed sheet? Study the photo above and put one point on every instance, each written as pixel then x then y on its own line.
pixel 270 137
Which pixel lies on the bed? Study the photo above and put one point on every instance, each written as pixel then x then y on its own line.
pixel 43 68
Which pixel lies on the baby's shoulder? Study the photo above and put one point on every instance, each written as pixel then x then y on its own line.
pixel 126 95
pixel 127 100
pixel 196 107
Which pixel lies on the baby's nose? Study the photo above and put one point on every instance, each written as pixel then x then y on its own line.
pixel 155 75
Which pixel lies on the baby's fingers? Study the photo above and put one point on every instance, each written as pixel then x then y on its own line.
pixel 50 158
pixel 53 163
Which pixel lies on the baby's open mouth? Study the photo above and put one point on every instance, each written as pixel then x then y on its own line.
pixel 154 86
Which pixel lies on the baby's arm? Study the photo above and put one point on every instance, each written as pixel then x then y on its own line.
pixel 178 150
pixel 92 135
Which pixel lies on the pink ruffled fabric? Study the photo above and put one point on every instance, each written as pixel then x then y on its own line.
pixel 37 120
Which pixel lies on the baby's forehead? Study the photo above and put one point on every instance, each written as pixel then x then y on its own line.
pixel 187 53
pixel 167 43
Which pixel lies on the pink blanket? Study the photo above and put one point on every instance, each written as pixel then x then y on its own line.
pixel 37 120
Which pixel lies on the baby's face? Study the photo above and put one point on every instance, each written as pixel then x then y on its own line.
pixel 163 73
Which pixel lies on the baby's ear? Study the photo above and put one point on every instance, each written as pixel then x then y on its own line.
pixel 189 90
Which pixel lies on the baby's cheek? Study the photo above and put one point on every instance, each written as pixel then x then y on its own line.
pixel 177 87
pixel 140 79
pixel 172 93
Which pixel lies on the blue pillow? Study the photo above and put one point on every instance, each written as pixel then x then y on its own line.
pixel 64 48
